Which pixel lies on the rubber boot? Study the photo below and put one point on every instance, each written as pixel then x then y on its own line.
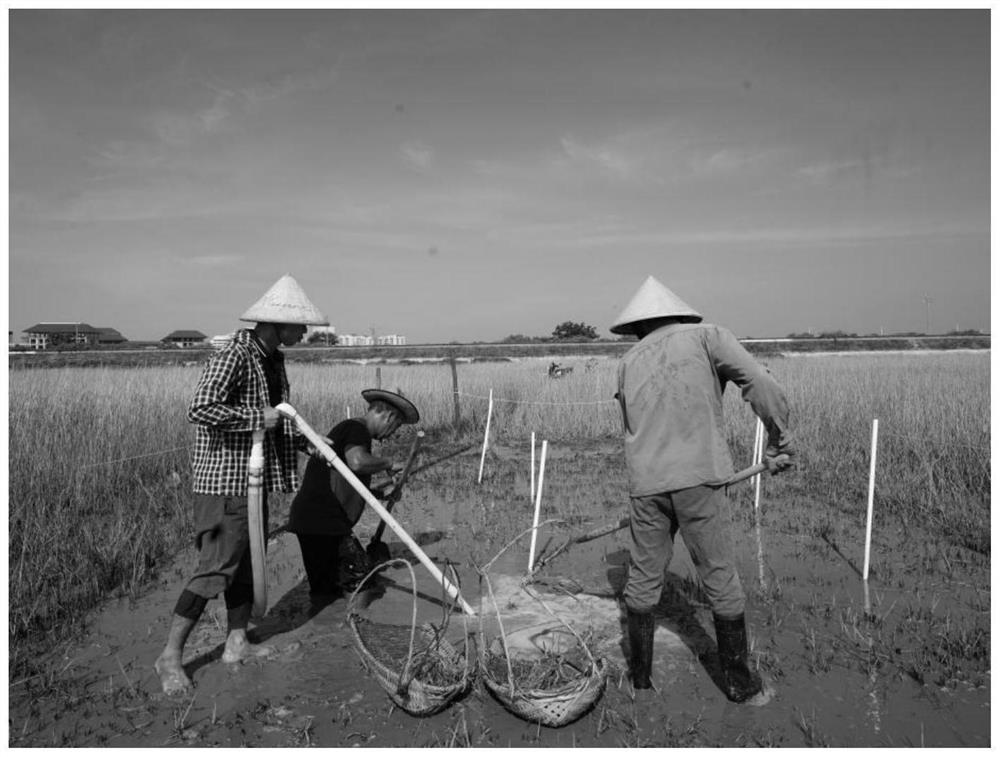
pixel 353 563
pixel 640 642
pixel 741 683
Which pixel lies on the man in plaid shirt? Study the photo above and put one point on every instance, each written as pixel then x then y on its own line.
pixel 236 395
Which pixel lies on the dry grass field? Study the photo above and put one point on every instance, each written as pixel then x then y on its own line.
pixel 100 480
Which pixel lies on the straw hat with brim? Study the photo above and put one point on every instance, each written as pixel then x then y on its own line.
pixel 653 300
pixel 406 408
pixel 285 302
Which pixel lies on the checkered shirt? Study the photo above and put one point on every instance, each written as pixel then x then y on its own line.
pixel 228 405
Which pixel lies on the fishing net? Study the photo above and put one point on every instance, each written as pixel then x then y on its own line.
pixel 433 671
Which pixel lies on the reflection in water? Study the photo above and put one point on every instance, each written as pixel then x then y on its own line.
pixel 874 711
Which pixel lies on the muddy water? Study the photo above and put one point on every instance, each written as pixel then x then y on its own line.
pixel 840 680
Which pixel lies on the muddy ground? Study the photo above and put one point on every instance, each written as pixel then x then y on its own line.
pixel 912 671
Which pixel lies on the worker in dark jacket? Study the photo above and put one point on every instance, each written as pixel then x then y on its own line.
pixel 326 508
pixel 670 388
pixel 236 395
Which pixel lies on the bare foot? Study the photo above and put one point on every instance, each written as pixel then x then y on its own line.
pixel 173 679
pixel 238 649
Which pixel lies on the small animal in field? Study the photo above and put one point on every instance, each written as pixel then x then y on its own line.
pixel 557 371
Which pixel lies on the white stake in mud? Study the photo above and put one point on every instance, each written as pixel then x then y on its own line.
pixel 758 456
pixel 532 496
pixel 871 500
pixel 486 437
pixel 317 441
pixel 538 505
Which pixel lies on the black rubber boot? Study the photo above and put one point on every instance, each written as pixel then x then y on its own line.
pixel 741 683
pixel 640 642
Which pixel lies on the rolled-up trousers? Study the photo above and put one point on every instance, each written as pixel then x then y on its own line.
pixel 701 514
pixel 222 536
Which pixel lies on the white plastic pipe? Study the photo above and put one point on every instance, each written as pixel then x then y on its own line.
pixel 758 456
pixel 486 437
pixel 255 523
pixel 871 499
pixel 320 444
pixel 538 505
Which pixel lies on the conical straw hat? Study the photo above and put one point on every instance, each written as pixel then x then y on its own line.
pixel 285 302
pixel 653 300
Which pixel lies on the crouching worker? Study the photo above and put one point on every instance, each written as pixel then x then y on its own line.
pixel 326 507
pixel 670 388
pixel 236 395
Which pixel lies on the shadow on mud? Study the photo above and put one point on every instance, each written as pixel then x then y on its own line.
pixel 297 606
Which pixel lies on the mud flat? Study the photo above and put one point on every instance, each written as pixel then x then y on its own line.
pixel 912 671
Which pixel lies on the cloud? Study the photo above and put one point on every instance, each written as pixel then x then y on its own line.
pixel 491 168
pixel 124 155
pixel 617 236
pixel 660 153
pixel 830 170
pixel 180 127
pixel 213 118
pixel 417 155
pixel 729 159
pixel 217 261
pixel 607 157
pixel 290 84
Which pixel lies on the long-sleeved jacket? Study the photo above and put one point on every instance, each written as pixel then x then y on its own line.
pixel 670 388
pixel 228 405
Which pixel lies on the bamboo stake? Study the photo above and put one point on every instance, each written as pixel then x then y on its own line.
pixel 320 444
pixel 538 505
pixel 871 499
pixel 255 523
pixel 486 437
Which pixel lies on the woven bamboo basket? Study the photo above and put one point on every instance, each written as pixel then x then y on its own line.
pixel 556 705
pixel 434 673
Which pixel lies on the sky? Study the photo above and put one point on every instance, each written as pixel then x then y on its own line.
pixel 465 175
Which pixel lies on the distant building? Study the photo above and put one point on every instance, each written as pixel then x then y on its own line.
pixel 363 340
pixel 220 340
pixel 51 333
pixel 108 335
pixel 355 340
pixel 185 339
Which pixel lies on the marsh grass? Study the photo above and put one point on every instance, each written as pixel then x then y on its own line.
pixel 99 469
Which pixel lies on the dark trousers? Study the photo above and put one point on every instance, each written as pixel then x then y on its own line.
pixel 222 536
pixel 319 557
